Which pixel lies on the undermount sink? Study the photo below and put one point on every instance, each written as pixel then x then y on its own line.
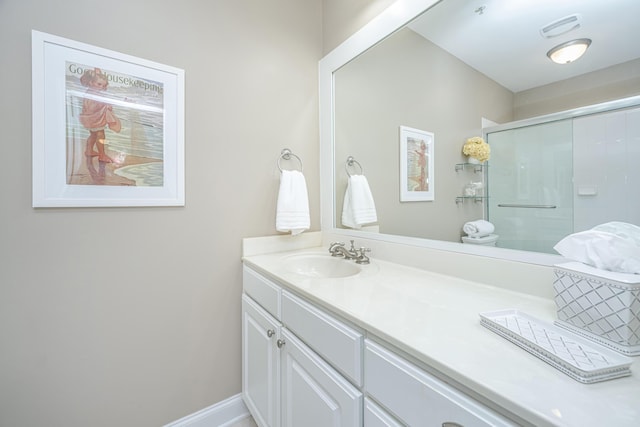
pixel 321 266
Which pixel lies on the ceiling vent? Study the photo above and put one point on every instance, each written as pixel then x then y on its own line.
pixel 561 26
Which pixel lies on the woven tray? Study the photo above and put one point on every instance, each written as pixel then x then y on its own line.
pixel 582 360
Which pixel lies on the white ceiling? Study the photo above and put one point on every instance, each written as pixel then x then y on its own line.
pixel 504 41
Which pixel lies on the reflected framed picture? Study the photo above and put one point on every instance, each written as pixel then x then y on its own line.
pixel 108 128
pixel 416 165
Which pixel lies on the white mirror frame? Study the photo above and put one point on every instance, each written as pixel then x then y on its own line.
pixel 394 17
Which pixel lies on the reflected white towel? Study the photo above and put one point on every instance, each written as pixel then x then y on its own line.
pixel 358 208
pixel 478 228
pixel 292 212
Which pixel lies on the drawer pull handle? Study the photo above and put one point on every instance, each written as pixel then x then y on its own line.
pixel 271 333
pixel 451 424
pixel 280 343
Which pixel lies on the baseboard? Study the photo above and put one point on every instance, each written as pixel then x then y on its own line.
pixel 224 413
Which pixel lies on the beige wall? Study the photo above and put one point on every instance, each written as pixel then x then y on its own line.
pixel 408 81
pixel 131 316
pixel 616 82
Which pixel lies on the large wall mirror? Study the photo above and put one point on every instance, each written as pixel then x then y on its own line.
pixel 456 68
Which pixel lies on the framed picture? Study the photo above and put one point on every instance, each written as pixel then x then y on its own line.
pixel 416 165
pixel 108 128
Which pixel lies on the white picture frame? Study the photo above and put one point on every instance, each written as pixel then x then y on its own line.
pixel 108 128
pixel 416 165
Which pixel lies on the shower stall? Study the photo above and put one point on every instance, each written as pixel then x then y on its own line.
pixel 563 173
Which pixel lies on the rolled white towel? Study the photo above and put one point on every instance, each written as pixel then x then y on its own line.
pixel 478 228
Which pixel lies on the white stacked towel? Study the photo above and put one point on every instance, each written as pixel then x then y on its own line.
pixel 293 203
pixel 358 208
pixel 478 228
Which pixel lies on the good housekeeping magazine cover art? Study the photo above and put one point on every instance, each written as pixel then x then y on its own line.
pixel 114 128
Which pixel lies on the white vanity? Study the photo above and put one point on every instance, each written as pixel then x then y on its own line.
pixel 393 345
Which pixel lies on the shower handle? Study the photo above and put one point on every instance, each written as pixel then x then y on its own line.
pixel 507 205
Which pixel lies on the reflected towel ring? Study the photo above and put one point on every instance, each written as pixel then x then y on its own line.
pixel 350 162
pixel 286 154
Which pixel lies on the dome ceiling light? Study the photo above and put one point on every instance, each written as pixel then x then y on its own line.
pixel 568 52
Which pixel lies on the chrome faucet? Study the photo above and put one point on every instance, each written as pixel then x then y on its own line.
pixel 337 249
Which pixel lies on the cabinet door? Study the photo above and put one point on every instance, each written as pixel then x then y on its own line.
pixel 313 393
pixel 260 364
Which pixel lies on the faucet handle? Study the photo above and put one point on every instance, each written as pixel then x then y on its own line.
pixel 362 258
pixel 363 250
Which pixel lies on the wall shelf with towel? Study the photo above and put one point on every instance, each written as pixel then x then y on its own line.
pixel 476 199
pixel 474 194
pixel 477 168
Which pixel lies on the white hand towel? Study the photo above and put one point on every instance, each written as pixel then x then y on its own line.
pixel 293 203
pixel 358 208
pixel 478 228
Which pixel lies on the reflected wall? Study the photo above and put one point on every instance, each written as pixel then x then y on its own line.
pixel 408 81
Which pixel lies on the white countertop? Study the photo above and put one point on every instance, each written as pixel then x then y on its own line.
pixel 434 318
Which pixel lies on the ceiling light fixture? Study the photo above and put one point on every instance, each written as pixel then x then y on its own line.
pixel 568 52
pixel 561 26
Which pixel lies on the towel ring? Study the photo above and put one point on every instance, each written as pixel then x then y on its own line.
pixel 350 162
pixel 286 155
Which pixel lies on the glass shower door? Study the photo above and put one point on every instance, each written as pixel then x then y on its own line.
pixel 530 185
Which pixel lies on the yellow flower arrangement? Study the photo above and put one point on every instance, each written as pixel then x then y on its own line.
pixel 478 149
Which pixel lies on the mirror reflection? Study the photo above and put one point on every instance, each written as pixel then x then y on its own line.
pixel 465 69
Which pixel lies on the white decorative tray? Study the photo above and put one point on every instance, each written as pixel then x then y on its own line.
pixel 582 360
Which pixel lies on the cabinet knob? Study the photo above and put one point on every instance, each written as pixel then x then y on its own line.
pixel 271 333
pixel 280 343
pixel 451 424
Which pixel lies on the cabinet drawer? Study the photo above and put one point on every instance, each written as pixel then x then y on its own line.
pixel 262 290
pixel 336 342
pixel 418 398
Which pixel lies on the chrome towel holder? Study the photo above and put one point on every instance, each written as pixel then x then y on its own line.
pixel 350 163
pixel 286 154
